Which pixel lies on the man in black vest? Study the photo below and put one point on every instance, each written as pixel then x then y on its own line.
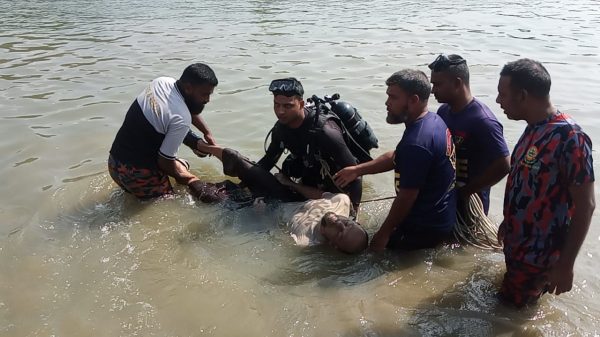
pixel 316 145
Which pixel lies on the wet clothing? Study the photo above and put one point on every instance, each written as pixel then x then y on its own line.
pixel 307 145
pixel 256 183
pixel 424 160
pixel 478 140
pixel 155 125
pixel 523 284
pixel 143 183
pixel 303 218
pixel 549 157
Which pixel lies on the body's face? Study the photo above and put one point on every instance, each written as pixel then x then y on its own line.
pixel 197 96
pixel 443 86
pixel 343 233
pixel 509 99
pixel 288 110
pixel 397 105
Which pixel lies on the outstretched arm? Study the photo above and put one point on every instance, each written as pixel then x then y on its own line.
pixel 199 123
pixel 383 163
pixel 176 170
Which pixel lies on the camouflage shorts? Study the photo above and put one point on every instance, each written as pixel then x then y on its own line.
pixel 523 283
pixel 144 183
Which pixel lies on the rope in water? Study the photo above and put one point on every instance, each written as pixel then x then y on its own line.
pixel 473 228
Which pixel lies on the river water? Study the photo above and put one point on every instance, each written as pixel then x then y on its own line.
pixel 80 258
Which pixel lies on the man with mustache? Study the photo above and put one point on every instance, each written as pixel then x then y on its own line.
pixel 549 197
pixel 424 210
pixel 144 153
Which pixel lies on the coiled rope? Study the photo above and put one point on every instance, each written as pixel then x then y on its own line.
pixel 473 226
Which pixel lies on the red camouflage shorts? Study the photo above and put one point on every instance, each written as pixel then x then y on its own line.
pixel 523 284
pixel 141 182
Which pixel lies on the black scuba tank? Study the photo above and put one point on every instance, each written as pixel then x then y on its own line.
pixel 358 127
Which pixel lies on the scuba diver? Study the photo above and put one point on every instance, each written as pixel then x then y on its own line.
pixel 322 220
pixel 321 140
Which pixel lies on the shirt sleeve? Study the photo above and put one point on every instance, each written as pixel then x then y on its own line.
pixel 176 132
pixel 492 137
pixel 412 162
pixel 576 160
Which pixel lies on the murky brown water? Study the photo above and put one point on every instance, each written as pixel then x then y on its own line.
pixel 79 258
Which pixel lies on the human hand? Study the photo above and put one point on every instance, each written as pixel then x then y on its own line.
pixel 210 139
pixel 283 179
pixel 379 242
pixel 560 278
pixel 206 192
pixel 202 149
pixel 345 176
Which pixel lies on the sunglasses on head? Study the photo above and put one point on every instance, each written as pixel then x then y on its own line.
pixel 442 62
pixel 286 87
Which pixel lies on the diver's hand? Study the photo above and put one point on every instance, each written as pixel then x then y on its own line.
pixel 345 176
pixel 210 139
pixel 283 179
pixel 379 242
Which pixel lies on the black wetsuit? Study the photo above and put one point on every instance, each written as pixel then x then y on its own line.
pixel 306 143
pixel 325 141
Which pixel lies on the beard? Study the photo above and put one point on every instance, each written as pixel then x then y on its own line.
pixel 398 118
pixel 194 107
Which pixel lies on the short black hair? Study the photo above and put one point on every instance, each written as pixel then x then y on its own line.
pixel 198 74
pixel 530 75
pixel 455 67
pixel 414 82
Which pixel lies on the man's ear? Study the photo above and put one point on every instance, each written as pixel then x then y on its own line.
pixel 458 82
pixel 413 99
pixel 522 95
pixel 301 103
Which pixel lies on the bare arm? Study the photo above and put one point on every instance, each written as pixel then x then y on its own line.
pixel 561 275
pixel 398 212
pixel 492 175
pixel 176 170
pixel 201 125
pixel 383 163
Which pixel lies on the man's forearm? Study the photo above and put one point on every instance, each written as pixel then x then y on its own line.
pixel 176 170
pixel 199 123
pixel 400 209
pixel 584 202
pixel 383 163
pixel 491 176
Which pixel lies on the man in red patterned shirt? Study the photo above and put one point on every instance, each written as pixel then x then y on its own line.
pixel 549 197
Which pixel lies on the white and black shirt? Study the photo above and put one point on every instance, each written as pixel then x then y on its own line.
pixel 155 124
